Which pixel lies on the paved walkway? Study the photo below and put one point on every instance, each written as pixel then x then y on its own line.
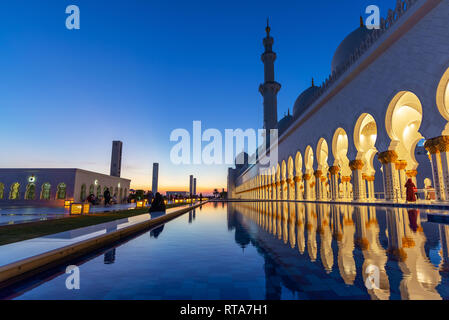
pixel 15 215
pixel 24 249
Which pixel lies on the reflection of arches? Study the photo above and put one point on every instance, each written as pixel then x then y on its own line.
pixel 2 190
pixel 45 191
pixel 14 192
pixel 402 122
pixel 442 99
pixel 83 193
pixel 62 191
pixel 365 136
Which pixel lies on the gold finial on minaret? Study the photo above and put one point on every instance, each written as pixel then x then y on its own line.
pixel 268 29
pixel 362 24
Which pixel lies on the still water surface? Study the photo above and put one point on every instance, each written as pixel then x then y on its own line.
pixel 266 250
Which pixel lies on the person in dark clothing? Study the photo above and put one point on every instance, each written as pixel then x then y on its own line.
pixel 107 197
pixel 158 204
pixel 410 187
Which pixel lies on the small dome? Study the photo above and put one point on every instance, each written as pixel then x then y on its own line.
pixel 348 46
pixel 284 123
pixel 304 100
pixel 241 160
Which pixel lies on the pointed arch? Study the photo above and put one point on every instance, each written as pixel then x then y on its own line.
pixel 365 137
pixel 402 122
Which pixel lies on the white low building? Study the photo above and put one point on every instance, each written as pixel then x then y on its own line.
pixel 53 186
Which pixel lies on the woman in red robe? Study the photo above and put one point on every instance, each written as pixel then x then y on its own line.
pixel 410 186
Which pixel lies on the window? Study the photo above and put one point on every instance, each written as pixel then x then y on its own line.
pixel 14 192
pixel 83 193
pixel 30 193
pixel 98 191
pixel 45 192
pixel 2 190
pixel 62 191
pixel 91 189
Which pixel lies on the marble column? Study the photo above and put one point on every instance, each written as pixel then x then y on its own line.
pixel 324 195
pixel 359 187
pixel 307 186
pixel 369 186
pixel 400 166
pixel 346 180
pixel 318 186
pixel 289 188
pixel 334 182
pixel 391 180
pixel 432 145
pixel 282 190
pixel 298 191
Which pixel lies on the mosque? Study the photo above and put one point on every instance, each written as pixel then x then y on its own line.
pixel 380 118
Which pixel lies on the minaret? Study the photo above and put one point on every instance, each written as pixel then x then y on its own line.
pixel 270 88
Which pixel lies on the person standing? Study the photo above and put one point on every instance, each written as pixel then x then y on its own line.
pixel 410 188
pixel 107 197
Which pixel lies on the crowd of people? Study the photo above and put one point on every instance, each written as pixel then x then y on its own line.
pixel 106 198
pixel 157 201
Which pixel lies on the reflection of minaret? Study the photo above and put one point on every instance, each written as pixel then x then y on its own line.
pixel 109 256
pixel 270 88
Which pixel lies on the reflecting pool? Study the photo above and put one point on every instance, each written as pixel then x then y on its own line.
pixel 266 250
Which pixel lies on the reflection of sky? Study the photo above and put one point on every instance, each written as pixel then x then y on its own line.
pixel 139 69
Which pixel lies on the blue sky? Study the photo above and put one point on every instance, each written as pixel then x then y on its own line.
pixel 138 69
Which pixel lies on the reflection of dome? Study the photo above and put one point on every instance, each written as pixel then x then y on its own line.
pixel 304 100
pixel 284 123
pixel 348 46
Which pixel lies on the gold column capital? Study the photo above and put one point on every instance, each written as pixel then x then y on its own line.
pixel 334 170
pixel 400 164
pixel 411 173
pixel 356 165
pixel 318 173
pixel 306 176
pixel 389 156
pixel 438 144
